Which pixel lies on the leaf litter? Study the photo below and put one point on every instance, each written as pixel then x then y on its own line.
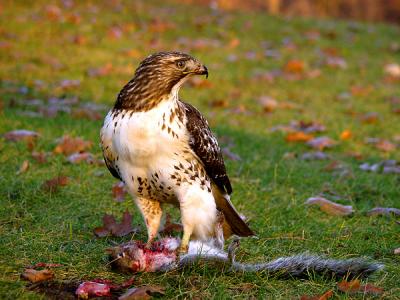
pixel 111 227
pixel 330 207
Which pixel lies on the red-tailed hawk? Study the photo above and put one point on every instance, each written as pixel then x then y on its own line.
pixel 164 151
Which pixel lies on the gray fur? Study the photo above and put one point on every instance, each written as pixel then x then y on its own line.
pixel 301 265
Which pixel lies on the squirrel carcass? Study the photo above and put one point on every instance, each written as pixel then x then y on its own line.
pixel 162 255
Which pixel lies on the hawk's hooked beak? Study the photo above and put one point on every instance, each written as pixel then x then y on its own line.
pixel 202 71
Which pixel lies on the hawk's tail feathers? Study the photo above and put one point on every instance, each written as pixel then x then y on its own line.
pixel 234 221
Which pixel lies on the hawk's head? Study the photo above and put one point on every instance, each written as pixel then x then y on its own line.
pixel 158 76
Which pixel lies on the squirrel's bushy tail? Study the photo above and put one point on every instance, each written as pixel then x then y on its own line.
pixel 303 265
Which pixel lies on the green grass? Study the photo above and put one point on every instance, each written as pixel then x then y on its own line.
pixel 36 226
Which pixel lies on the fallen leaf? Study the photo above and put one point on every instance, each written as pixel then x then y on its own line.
pixel 316 155
pixel 24 167
pixel 330 207
pixel 53 12
pixel 336 62
pixel 307 126
pixel 52 185
pixel 386 146
pixel 357 90
pixel 89 289
pixel 34 276
pixel 40 157
pixel 110 226
pixel 142 292
pixel 100 71
pixel 77 158
pixel 86 113
pixel 384 211
pixel 294 66
pixel 268 103
pixel 69 145
pixel 346 135
pixel 21 135
pixel 349 286
pixel 370 118
pixel 355 286
pixel 170 227
pixel 392 70
pixel 324 296
pixel 298 136
pixel 322 142
pixel 220 103
pixel 115 32
pixel 119 191
pixel 233 43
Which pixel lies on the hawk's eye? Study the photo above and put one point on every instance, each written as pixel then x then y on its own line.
pixel 180 64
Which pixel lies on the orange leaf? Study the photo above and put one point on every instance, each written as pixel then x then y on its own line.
pixel 349 286
pixel 298 136
pixel 294 66
pixel 68 145
pixel 324 296
pixel 34 276
pixel 346 135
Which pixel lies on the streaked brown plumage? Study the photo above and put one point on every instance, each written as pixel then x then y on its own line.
pixel 165 152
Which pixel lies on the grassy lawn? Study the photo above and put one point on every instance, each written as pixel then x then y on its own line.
pixel 99 47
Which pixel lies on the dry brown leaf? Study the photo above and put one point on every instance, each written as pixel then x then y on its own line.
pixel 142 292
pixel 298 136
pixel 119 191
pixel 86 113
pixel 69 145
pixel 294 66
pixel 384 211
pixel 233 43
pixel 53 12
pixel 357 90
pixel 355 286
pixel 220 103
pixel 330 207
pixel 21 135
pixel 52 185
pixel 115 32
pixel 370 118
pixel 34 276
pixel 77 158
pixel 385 146
pixel 40 157
pixel 79 40
pixel 170 227
pixel 268 103
pixel 24 167
pixel 100 71
pixel 110 226
pixel 324 296
pixel 322 142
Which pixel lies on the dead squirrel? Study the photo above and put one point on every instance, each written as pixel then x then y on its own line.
pixel 136 256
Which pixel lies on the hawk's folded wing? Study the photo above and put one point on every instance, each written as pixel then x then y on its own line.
pixel 204 144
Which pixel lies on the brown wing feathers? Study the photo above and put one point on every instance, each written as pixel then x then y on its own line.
pixel 204 144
